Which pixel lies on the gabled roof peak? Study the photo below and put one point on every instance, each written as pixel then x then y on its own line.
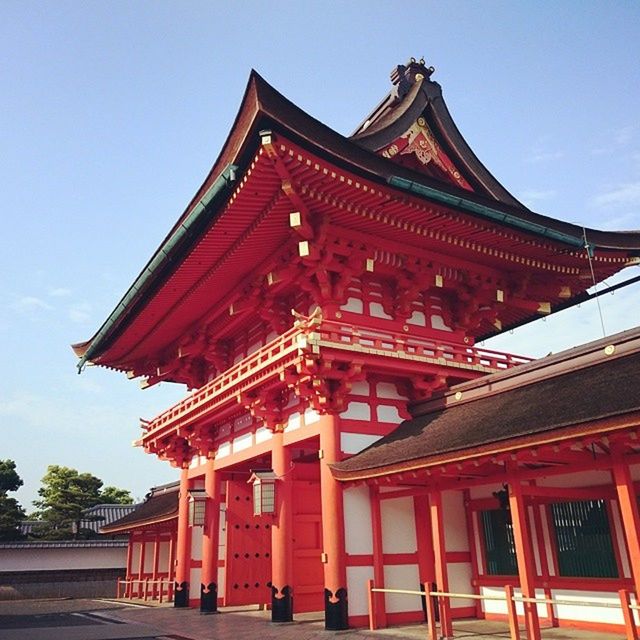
pixel 404 76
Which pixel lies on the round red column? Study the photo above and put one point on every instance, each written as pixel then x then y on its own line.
pixel 281 542
pixel 210 540
pixel 183 551
pixel 335 573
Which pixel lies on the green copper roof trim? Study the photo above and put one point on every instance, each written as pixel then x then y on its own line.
pixel 162 255
pixel 488 212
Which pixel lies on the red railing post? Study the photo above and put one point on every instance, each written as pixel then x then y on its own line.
pixel 627 613
pixel 372 613
pixel 146 589
pixel 432 633
pixel 514 629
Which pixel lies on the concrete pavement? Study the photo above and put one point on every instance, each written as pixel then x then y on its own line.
pixel 104 620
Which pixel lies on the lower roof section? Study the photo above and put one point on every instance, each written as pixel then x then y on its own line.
pixel 160 505
pixel 531 403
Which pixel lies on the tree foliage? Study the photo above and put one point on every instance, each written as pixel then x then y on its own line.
pixel 65 496
pixel 113 495
pixel 11 513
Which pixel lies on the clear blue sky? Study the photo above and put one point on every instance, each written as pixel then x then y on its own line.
pixel 111 114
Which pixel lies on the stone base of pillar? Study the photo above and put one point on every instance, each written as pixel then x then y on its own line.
pixel 180 594
pixel 336 614
pixel 209 598
pixel 281 604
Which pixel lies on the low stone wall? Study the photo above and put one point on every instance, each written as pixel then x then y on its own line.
pixel 73 583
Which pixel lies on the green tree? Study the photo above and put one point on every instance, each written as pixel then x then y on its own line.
pixel 113 495
pixel 11 513
pixel 65 495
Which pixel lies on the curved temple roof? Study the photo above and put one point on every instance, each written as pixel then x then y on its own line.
pixel 414 97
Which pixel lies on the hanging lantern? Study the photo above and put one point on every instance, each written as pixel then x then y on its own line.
pixel 197 507
pixel 264 491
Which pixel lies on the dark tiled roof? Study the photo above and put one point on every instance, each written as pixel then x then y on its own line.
pixel 161 504
pixel 63 544
pixel 576 396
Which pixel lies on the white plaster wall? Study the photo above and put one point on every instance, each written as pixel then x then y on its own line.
pixel 388 390
pixel 635 471
pixel 354 305
pixel 356 442
pixel 500 606
pixel 388 413
pixel 357 411
pixel 360 388
pixel 588 613
pixel 402 576
pixel 293 422
pixel 455 524
pixel 377 311
pixel 418 317
pixel 311 416
pixel 163 561
pixel 135 557
pixel 358 536
pixel 50 559
pixel 194 582
pixel 224 449
pixel 242 442
pixel 222 577
pixel 460 577
pixel 357 578
pixel 196 543
pixel 398 526
pixel 148 557
pixel 263 434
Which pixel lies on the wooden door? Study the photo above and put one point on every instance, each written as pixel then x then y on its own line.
pixel 248 560
pixel 308 572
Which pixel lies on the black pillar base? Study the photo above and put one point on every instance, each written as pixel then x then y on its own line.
pixel 336 615
pixel 180 594
pixel 209 598
pixel 281 604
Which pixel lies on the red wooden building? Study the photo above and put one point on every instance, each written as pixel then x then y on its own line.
pixel 317 292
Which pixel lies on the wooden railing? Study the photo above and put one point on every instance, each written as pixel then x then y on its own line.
pixel 345 336
pixel 309 336
pixel 509 598
pixel 160 589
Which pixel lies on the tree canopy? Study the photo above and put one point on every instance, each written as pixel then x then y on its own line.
pixel 65 496
pixel 11 513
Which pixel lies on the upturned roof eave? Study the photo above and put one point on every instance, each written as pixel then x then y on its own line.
pixel 262 106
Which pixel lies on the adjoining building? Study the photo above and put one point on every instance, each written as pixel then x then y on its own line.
pixel 323 297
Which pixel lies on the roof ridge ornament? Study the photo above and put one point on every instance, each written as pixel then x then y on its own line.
pixel 404 76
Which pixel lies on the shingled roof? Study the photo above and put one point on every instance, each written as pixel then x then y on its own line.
pixel 160 505
pixel 575 387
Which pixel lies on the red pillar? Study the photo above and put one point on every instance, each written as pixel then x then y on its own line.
pixel 440 556
pixel 156 563
pixel 335 572
pixel 141 559
pixel 281 534
pixel 210 535
pixel 127 590
pixel 183 550
pixel 378 559
pixel 628 502
pixel 524 555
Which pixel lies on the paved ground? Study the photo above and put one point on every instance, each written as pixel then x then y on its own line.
pixel 104 620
